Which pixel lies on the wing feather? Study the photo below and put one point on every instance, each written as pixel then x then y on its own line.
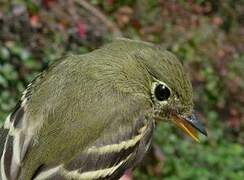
pixel 17 133
pixel 17 140
pixel 106 158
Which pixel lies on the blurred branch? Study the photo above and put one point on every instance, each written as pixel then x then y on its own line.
pixel 101 16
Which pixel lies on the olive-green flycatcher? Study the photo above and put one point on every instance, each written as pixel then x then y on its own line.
pixel 92 116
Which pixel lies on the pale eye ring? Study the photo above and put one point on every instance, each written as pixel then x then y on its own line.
pixel 161 92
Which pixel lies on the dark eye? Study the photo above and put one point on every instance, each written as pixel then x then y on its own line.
pixel 161 92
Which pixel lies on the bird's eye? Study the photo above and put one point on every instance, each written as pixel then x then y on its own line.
pixel 161 92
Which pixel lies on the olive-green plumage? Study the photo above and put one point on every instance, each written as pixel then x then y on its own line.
pixel 93 100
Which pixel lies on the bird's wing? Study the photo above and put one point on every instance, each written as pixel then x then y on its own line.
pixel 108 157
pixel 16 133
pixel 3 135
pixel 16 142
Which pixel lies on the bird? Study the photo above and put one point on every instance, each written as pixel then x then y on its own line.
pixel 92 116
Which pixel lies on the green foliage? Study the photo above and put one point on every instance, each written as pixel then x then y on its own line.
pixel 210 159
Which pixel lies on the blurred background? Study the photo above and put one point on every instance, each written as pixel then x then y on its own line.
pixel 207 36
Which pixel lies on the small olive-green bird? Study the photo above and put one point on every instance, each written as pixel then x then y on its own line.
pixel 92 116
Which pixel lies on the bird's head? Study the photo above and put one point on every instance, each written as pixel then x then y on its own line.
pixel 171 90
pixel 160 77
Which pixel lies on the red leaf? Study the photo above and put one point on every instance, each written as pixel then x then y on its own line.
pixel 110 2
pixel 34 21
pixel 48 3
pixel 81 30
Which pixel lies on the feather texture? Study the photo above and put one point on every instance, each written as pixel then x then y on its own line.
pixel 89 116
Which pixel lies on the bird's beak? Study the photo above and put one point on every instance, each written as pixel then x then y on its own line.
pixel 190 125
